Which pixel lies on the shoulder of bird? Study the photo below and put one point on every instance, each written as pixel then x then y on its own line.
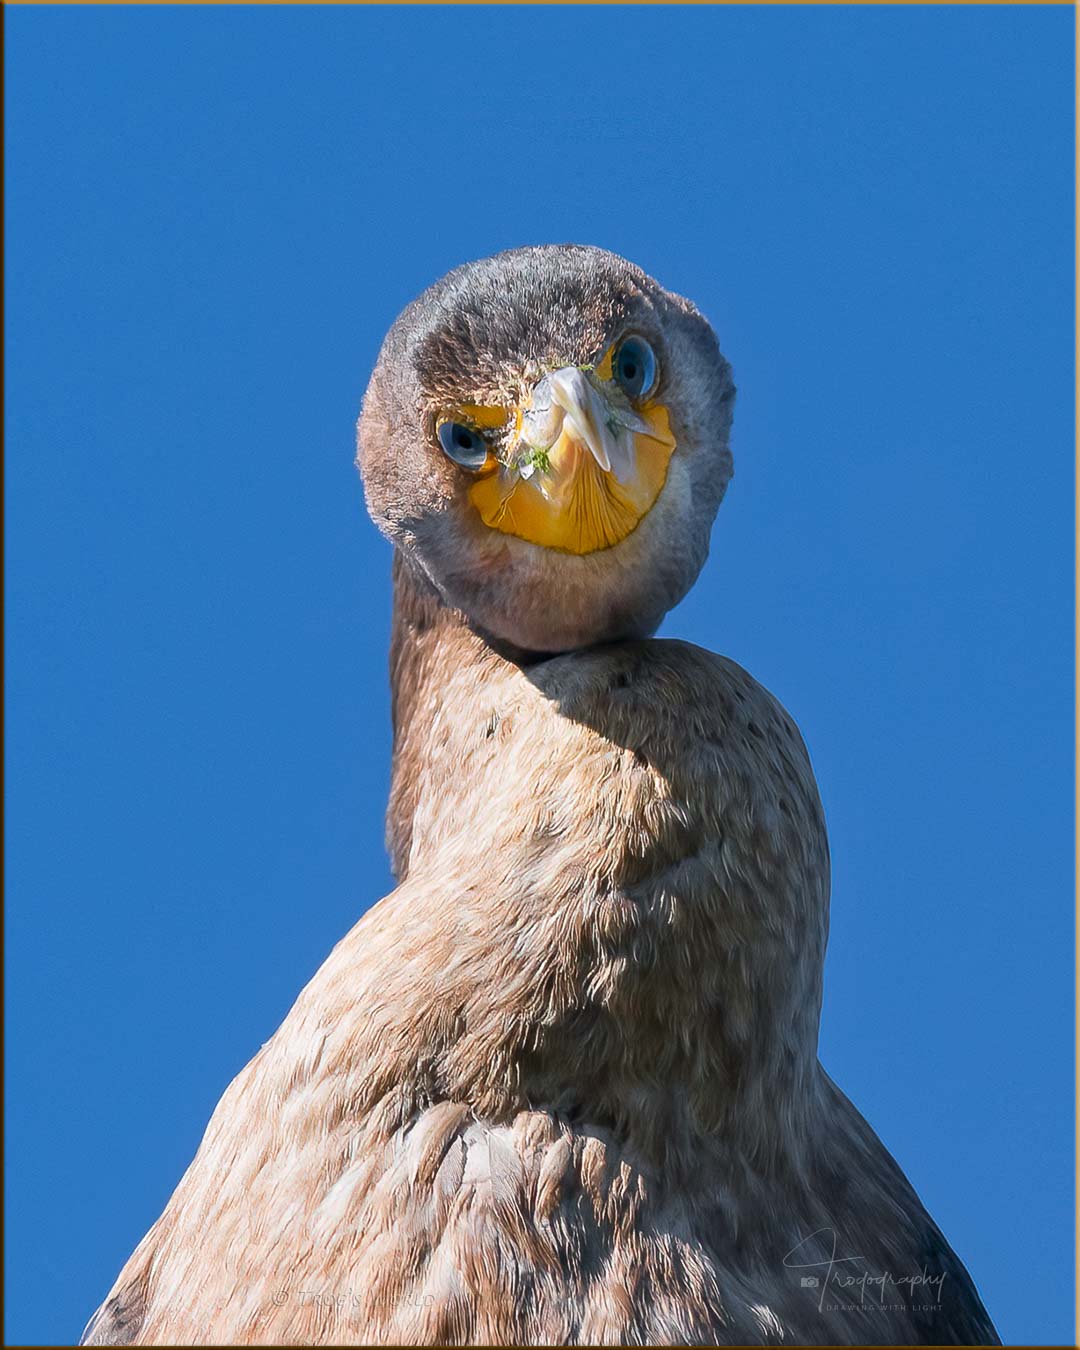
pixel 453 1139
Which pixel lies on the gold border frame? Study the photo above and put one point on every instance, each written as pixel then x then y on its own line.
pixel 1076 406
pixel 454 3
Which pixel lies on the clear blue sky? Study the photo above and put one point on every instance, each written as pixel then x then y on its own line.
pixel 214 215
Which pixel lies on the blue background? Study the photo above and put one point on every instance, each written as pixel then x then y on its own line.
pixel 214 215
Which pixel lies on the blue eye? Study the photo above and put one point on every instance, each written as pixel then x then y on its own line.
pixel 635 366
pixel 463 445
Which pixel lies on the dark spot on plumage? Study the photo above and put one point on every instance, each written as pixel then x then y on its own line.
pixel 119 1318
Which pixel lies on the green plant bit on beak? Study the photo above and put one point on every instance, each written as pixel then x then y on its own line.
pixel 534 460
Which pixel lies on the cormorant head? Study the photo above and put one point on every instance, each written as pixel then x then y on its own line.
pixel 545 437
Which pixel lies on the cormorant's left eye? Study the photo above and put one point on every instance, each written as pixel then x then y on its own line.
pixel 635 366
pixel 463 445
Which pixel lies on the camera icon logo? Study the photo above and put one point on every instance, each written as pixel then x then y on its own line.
pixel 809 1281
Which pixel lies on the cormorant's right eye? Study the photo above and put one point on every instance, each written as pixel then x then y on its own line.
pixel 635 367
pixel 463 445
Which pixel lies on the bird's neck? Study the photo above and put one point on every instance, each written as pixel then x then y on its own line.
pixel 594 947
pixel 428 643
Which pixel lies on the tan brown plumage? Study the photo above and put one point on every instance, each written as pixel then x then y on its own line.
pixel 562 1084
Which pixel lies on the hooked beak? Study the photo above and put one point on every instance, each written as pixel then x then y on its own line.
pixel 586 468
pixel 569 412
